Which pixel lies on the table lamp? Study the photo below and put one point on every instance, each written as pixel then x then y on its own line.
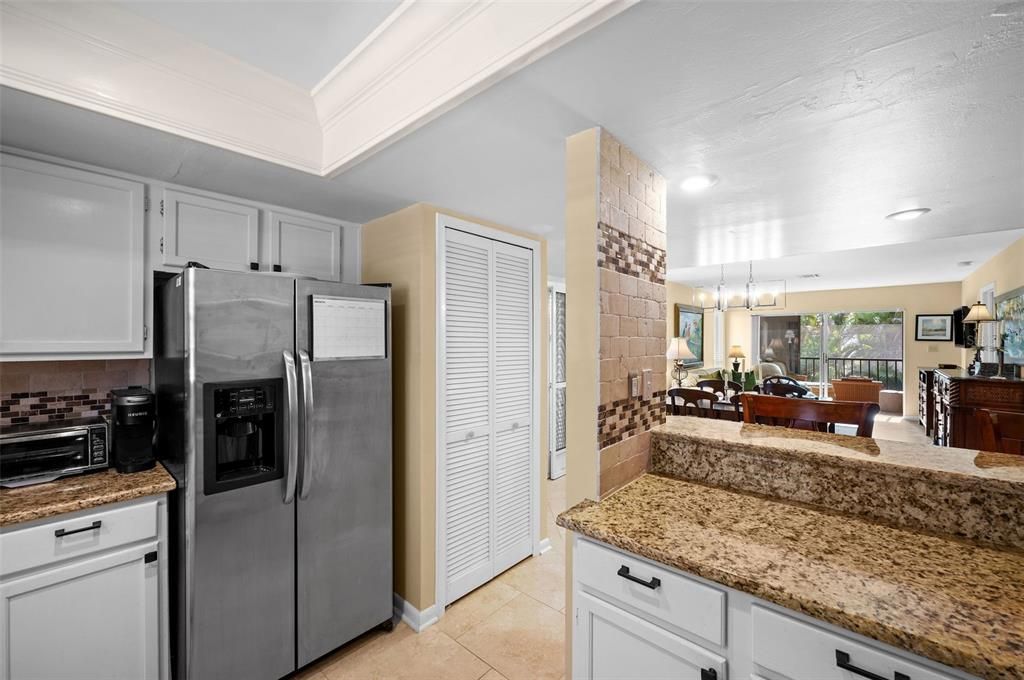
pixel 979 314
pixel 736 353
pixel 679 352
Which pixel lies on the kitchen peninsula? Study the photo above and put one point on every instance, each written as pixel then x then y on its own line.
pixel 751 551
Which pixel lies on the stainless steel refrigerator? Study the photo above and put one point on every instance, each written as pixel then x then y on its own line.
pixel 274 403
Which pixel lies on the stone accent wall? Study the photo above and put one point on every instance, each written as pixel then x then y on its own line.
pixel 631 261
pixel 48 391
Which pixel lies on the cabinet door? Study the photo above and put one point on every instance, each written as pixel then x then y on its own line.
pixel 92 618
pixel 218 233
pixel 71 260
pixel 304 245
pixel 514 383
pixel 467 483
pixel 610 643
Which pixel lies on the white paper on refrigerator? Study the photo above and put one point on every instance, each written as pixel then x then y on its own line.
pixel 348 328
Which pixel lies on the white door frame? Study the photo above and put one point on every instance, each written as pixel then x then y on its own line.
pixel 986 335
pixel 553 288
pixel 443 221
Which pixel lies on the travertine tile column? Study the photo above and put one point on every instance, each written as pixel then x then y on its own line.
pixel 615 233
pixel 631 262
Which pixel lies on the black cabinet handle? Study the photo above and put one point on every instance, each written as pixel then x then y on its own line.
pixel 277 267
pixel 843 661
pixel 255 266
pixel 653 584
pixel 708 674
pixel 92 527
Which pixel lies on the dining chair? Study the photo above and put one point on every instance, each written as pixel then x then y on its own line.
pixel 1001 431
pixel 689 401
pixel 783 386
pixel 721 388
pixel 808 414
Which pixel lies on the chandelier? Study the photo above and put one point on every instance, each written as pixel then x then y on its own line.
pixel 752 295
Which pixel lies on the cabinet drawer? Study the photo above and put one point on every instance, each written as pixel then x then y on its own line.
pixel 41 545
pixel 679 601
pixel 799 650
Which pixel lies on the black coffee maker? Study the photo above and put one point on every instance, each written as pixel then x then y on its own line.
pixel 132 426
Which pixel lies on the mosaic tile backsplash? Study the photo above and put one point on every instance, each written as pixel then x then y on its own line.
pixel 41 391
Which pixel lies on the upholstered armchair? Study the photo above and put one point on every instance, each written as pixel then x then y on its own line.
pixel 855 388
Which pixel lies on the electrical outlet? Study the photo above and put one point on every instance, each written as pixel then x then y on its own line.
pixel 648 387
pixel 634 385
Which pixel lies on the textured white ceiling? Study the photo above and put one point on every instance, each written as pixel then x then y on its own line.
pixel 931 261
pixel 819 117
pixel 297 40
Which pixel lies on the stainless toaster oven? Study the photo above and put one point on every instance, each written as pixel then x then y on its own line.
pixel 41 452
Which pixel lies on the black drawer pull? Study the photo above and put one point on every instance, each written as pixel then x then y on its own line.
pixel 708 674
pixel 92 527
pixel 843 661
pixel 653 584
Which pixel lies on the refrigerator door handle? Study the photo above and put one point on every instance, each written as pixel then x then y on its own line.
pixel 306 482
pixel 291 426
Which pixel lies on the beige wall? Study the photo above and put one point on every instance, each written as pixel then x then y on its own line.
pixel 400 249
pixel 581 327
pixel 937 298
pixel 1005 270
pixel 681 294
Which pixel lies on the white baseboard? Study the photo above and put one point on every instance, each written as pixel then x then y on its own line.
pixel 545 545
pixel 414 618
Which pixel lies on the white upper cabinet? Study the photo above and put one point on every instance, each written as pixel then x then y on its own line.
pixel 304 245
pixel 71 261
pixel 219 233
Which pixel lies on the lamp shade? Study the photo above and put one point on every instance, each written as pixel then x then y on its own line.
pixel 979 312
pixel 736 352
pixel 678 350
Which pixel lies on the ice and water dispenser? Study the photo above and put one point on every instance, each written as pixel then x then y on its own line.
pixel 244 430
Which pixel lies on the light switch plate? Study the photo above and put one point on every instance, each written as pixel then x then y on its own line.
pixel 634 385
pixel 648 384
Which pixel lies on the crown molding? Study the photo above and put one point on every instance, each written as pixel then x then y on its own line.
pixel 108 60
pixel 423 60
pixel 429 57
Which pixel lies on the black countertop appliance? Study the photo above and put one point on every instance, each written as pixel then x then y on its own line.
pixel 132 425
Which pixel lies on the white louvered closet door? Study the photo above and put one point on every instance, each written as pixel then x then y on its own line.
pixel 469 557
pixel 489 388
pixel 513 400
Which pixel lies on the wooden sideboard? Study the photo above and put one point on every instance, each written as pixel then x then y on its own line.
pixel 957 395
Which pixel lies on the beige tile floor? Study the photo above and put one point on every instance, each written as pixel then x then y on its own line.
pixel 512 628
pixel 896 428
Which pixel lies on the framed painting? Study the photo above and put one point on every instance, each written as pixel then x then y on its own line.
pixel 1010 312
pixel 934 328
pixel 690 326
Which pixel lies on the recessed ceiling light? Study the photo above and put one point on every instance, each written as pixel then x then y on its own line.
pixel 810 276
pixel 698 183
pixel 904 215
pixel 965 263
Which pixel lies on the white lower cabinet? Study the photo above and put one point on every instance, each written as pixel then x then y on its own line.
pixel 609 643
pixel 95 612
pixel 639 620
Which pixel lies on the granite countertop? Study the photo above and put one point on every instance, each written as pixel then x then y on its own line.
pixel 913 461
pixel 942 598
pixel 80 492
